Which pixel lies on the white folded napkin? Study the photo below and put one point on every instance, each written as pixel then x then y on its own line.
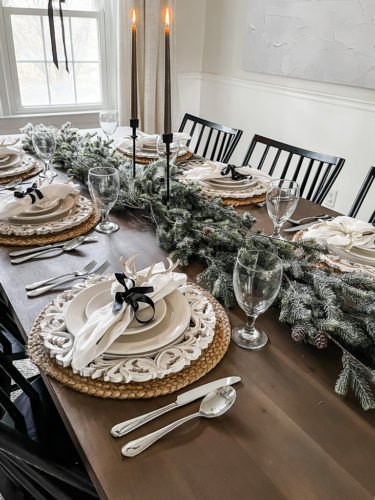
pixel 149 140
pixel 104 326
pixel 344 232
pixel 11 205
pixel 11 149
pixel 212 170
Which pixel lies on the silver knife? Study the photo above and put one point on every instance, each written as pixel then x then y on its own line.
pixel 299 228
pixel 183 399
pixel 88 239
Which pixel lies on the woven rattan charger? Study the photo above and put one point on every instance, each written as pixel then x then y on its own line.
pixel 27 175
pixel 136 390
pixel 46 239
pixel 146 161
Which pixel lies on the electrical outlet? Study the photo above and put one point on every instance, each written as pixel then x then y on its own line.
pixel 330 200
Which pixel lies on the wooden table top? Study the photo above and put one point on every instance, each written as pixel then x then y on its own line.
pixel 287 436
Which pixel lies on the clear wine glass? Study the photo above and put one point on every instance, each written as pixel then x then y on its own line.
pixel 282 198
pixel 108 122
pixel 44 143
pixel 174 148
pixel 256 281
pixel 104 185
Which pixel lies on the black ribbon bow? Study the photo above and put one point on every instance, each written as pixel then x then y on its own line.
pixel 30 192
pixel 236 176
pixel 53 35
pixel 133 296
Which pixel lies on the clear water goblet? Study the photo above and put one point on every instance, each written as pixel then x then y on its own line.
pixel 174 148
pixel 104 186
pixel 108 122
pixel 257 279
pixel 281 199
pixel 44 143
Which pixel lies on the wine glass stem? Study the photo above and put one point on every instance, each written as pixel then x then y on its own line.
pixel 104 216
pixel 249 330
pixel 276 230
pixel 46 166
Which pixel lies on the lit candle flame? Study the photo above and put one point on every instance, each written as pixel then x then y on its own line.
pixel 167 17
pixel 134 16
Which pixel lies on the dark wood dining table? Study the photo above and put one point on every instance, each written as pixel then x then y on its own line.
pixel 288 435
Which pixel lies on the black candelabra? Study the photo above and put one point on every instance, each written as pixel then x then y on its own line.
pixel 134 123
pixel 167 139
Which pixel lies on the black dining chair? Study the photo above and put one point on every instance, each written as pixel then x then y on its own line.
pixel 363 192
pixel 37 457
pixel 315 172
pixel 209 139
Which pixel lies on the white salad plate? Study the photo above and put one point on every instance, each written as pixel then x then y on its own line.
pixel 104 298
pixel 229 186
pixel 166 333
pixel 58 209
pixel 360 256
pixel 10 161
pixel 25 165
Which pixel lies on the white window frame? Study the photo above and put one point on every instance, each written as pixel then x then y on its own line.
pixel 9 86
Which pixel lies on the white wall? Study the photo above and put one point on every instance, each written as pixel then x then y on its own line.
pixel 327 118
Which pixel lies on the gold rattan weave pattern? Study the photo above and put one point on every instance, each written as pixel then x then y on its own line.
pixel 45 239
pixel 146 161
pixel 136 390
pixel 237 202
pixel 27 175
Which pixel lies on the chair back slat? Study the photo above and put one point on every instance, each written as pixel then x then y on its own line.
pixel 308 170
pixel 8 406
pixel 286 167
pixel 362 194
pixel 221 151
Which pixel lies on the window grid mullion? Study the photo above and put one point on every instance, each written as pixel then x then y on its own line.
pixel 73 65
pixel 45 60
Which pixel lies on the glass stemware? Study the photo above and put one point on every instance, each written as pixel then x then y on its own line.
pixel 282 198
pixel 44 143
pixel 108 122
pixel 256 280
pixel 174 148
pixel 104 185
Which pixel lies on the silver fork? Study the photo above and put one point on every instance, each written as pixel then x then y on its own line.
pixel 90 266
pixel 100 270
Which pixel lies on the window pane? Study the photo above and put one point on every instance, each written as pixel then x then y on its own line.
pixel 33 83
pixel 92 5
pixel 58 37
pixel 85 39
pixel 27 37
pixel 61 84
pixel 88 82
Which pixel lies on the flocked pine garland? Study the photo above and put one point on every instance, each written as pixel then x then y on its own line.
pixel 319 304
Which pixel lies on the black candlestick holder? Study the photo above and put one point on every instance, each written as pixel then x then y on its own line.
pixel 167 139
pixel 134 123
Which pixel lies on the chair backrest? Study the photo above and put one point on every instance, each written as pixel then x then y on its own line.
pixel 314 172
pixel 210 140
pixel 364 189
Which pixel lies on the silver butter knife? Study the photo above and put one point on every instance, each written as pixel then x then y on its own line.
pixel 299 228
pixel 183 399
pixel 88 239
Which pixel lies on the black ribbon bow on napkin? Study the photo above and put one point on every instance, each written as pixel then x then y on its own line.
pixel 236 176
pixel 133 296
pixel 30 192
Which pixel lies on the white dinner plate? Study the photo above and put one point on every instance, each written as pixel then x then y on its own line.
pixel 10 161
pixel 26 164
pixel 228 187
pixel 352 255
pixel 225 181
pixel 168 332
pixel 104 298
pixel 63 208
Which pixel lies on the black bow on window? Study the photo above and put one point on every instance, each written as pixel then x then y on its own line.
pixel 133 296
pixel 236 176
pixel 30 192
pixel 53 35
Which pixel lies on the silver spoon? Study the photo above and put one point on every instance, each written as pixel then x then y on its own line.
pixel 213 405
pixel 68 247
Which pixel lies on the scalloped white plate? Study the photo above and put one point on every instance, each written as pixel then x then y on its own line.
pixel 11 161
pixel 62 209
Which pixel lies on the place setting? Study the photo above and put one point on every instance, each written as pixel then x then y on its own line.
pixel 235 185
pixel 350 242
pixel 132 334
pixel 15 164
pixel 45 212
